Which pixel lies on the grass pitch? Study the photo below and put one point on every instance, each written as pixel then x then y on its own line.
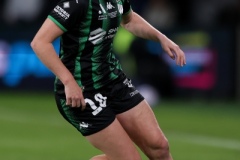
pixel 32 129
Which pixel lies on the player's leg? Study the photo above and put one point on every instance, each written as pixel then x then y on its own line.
pixel 141 125
pixel 115 143
pixel 101 128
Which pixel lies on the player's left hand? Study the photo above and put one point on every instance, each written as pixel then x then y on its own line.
pixel 173 50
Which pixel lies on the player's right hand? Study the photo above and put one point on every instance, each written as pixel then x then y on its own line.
pixel 74 95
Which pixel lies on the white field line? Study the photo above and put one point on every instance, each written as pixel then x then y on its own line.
pixel 207 140
pixel 179 136
pixel 47 120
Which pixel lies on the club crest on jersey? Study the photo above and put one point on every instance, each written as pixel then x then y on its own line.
pixel 120 6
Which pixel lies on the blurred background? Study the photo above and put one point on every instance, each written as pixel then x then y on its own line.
pixel 207 31
pixel 197 105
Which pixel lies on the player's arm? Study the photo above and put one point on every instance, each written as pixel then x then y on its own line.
pixel 42 46
pixel 141 28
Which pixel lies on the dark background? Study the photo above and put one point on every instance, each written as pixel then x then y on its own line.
pixel 206 30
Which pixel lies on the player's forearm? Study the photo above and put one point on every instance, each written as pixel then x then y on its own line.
pixel 141 28
pixel 48 56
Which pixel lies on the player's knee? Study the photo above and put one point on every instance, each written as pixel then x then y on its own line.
pixel 164 149
pixel 159 149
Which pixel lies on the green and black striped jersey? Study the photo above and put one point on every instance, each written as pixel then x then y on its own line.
pixel 86 46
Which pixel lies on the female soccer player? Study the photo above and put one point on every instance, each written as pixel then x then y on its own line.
pixel 91 90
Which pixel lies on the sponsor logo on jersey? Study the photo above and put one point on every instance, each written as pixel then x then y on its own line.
pixel 97 36
pixel 134 93
pixel 113 30
pixel 61 12
pixel 111 33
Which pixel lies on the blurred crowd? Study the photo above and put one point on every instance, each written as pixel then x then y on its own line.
pixel 197 13
pixel 163 14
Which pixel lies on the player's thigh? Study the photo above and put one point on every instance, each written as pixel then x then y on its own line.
pixel 114 142
pixel 141 125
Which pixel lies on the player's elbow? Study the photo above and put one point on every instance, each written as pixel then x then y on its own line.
pixel 35 44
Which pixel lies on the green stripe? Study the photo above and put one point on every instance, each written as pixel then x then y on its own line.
pixel 95 66
pixel 57 23
pixel 86 31
pixel 82 42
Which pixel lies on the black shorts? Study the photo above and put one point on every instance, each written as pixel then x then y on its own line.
pixel 102 105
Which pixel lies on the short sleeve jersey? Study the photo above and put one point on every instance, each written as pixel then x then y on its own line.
pixel 86 46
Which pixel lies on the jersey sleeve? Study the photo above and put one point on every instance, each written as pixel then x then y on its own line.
pixel 67 14
pixel 126 7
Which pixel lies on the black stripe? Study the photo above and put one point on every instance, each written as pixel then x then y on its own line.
pixel 87 53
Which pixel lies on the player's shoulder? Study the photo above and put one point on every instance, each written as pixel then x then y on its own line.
pixel 74 6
